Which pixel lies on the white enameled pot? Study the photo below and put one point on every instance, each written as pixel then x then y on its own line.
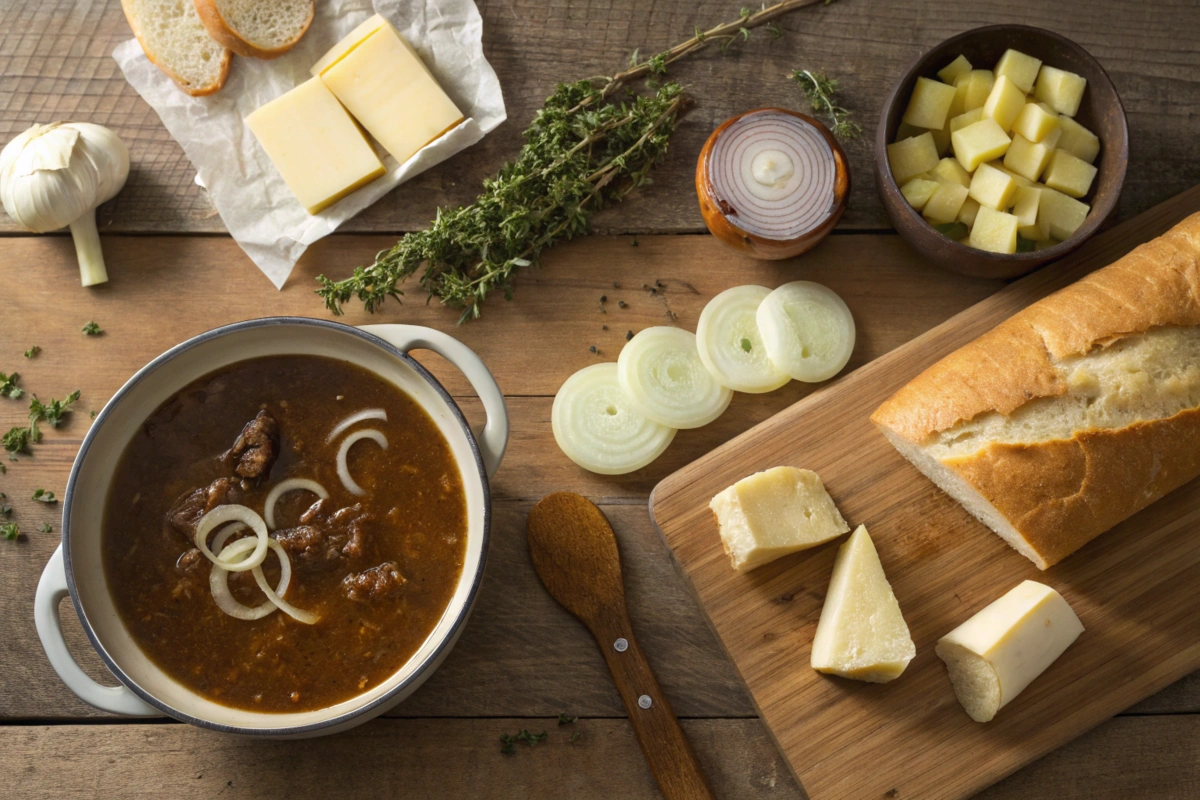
pixel 76 568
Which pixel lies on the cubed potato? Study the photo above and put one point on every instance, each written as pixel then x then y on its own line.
pixel 1027 158
pixel 1053 136
pixel 910 157
pixel 978 143
pixel 966 118
pixel 979 86
pixel 1019 180
pixel 941 140
pixel 949 170
pixel 1039 231
pixel 1018 68
pixel 929 105
pixel 1061 215
pixel 959 104
pixel 945 203
pixel 994 231
pixel 1034 122
pixel 918 191
pixel 959 66
pixel 1004 102
pixel 1070 175
pixel 1077 140
pixel 906 131
pixel 992 188
pixel 1025 207
pixel 1061 89
pixel 966 214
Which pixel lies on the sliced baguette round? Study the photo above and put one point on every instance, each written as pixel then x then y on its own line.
pixel 256 28
pixel 172 37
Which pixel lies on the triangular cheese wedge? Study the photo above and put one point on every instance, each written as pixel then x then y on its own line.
pixel 862 634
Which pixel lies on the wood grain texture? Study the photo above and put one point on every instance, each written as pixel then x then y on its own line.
pixel 55 63
pixel 1131 588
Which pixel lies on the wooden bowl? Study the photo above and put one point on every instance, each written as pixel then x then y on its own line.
pixel 1101 112
pixel 716 211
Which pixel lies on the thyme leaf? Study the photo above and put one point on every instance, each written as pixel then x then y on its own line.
pixel 821 92
pixel 16 441
pixel 33 351
pixel 53 411
pixel 507 742
pixel 8 386
pixel 92 329
pixel 44 496
pixel 46 528
pixel 5 506
pixel 563 719
pixel 10 531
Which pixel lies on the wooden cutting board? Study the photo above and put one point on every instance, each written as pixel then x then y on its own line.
pixel 1134 588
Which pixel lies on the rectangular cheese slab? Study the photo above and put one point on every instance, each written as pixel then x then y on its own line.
pixel 320 152
pixel 383 82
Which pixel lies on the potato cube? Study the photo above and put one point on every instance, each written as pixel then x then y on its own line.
pixel 1051 139
pixel 950 171
pixel 979 86
pixel 1077 140
pixel 1070 175
pixel 1039 231
pixel 959 104
pixel 1034 123
pixel 1019 68
pixel 910 157
pixel 1025 207
pixel 959 66
pixel 1004 102
pixel 978 143
pixel 929 104
pixel 1019 180
pixel 994 231
pixel 945 203
pixel 966 214
pixel 906 131
pixel 964 119
pixel 918 191
pixel 1061 89
pixel 1062 215
pixel 1026 158
pixel 992 188
pixel 941 140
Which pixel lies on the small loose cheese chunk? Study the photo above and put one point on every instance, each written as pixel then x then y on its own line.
pixel 995 654
pixel 773 513
pixel 1062 90
pixel 959 66
pixel 385 85
pixel 862 634
pixel 929 104
pixel 980 142
pixel 909 158
pixel 319 151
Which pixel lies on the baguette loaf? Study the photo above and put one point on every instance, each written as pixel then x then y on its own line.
pixel 1074 413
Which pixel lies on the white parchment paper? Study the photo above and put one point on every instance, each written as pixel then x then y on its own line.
pixel 252 199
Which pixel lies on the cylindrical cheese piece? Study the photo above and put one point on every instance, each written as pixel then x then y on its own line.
pixel 995 654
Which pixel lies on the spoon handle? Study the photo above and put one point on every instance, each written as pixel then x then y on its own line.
pixel 664 745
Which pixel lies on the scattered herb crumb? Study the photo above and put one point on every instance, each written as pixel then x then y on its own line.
pixel 628 335
pixel 8 386
pixel 33 351
pixel 603 298
pixel 507 742
pixel 5 507
pixel 820 90
pixel 93 413
pixel 563 719
pixel 603 327
pixel 3 470
pixel 16 441
pixel 746 344
pixel 10 531
pixel 46 528
pixel 616 285
pixel 53 411
pixel 634 243
pixel 575 737
pixel 92 329
pixel 622 304
pixel 660 284
pixel 44 496
pixel 593 349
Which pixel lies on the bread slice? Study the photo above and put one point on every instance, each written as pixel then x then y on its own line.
pixel 256 28
pixel 172 37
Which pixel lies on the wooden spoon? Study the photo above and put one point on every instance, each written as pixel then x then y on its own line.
pixel 574 552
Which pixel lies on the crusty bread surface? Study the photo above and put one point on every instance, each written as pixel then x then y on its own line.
pixel 256 28
pixel 1073 414
pixel 173 38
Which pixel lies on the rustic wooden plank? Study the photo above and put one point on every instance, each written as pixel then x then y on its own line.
pixel 1126 757
pixel 55 63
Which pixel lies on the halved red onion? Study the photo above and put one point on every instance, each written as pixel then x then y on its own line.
pixel 233 513
pixel 342 470
pixel 368 413
pixel 290 485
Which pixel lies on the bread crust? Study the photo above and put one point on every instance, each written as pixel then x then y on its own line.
pixel 220 30
pixel 194 91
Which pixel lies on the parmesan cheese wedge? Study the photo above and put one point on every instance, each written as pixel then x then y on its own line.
pixel 998 652
pixel 862 634
pixel 773 513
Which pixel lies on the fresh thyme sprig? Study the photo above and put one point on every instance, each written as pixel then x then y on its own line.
pixel 592 143
pixel 820 91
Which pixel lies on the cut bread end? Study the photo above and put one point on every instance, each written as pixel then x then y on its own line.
pixel 975 682
pixel 256 28
pixel 949 482
pixel 172 37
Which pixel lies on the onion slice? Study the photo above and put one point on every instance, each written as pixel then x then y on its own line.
pixel 290 485
pixel 807 329
pixel 730 345
pixel 218 577
pixel 342 470
pixel 233 513
pixel 597 427
pixel 298 614
pixel 661 373
pixel 369 413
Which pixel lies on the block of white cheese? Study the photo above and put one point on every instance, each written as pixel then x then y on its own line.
pixel 320 152
pixel 998 652
pixel 382 81
pixel 350 41
pixel 862 634
pixel 773 513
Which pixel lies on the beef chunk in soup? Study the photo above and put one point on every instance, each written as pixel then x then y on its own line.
pixel 256 447
pixel 186 512
pixel 374 583
pixel 324 539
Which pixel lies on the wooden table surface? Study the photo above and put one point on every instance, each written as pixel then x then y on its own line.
pixel 522 660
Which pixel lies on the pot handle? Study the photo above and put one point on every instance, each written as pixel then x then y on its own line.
pixel 51 590
pixel 493 439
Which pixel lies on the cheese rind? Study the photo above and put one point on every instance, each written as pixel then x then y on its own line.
pixel 773 513
pixel 862 633
pixel 383 82
pixel 319 151
pixel 995 654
